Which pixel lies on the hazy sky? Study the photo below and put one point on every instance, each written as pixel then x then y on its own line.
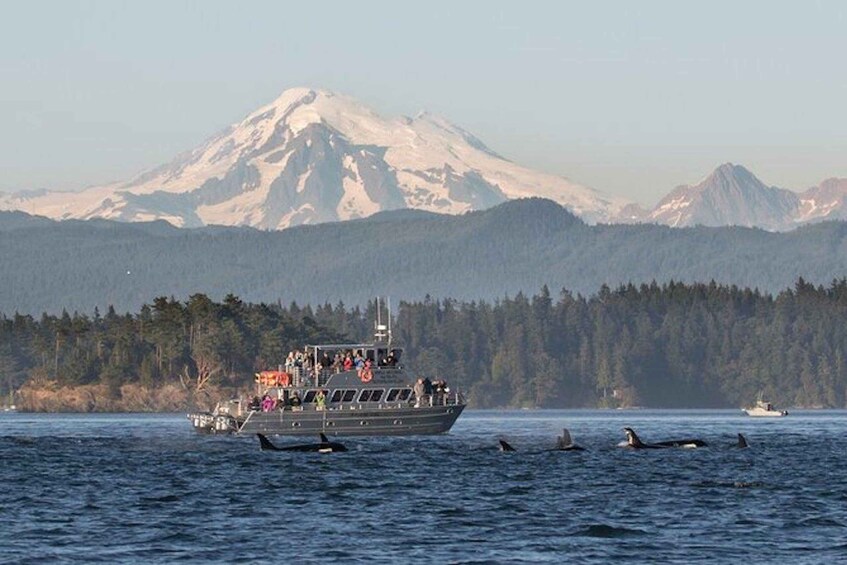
pixel 631 98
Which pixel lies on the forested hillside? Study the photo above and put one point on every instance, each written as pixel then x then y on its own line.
pixel 517 246
pixel 671 345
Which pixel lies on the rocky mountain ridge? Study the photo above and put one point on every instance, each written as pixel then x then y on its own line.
pixel 733 196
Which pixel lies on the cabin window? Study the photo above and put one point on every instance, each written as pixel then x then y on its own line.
pixel 336 395
pixel 310 396
pixel 349 395
pixel 405 394
pixel 371 395
pixel 392 395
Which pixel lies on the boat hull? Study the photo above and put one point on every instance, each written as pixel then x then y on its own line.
pixel 761 413
pixel 424 420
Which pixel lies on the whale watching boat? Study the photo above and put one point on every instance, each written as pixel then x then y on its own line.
pixel 765 410
pixel 377 397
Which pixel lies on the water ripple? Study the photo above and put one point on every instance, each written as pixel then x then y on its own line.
pixel 129 489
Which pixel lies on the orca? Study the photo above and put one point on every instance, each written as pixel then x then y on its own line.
pixel 633 441
pixel 563 443
pixel 742 442
pixel 504 446
pixel 325 446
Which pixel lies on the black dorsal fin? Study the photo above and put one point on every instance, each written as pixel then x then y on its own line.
pixel 742 441
pixel 633 438
pixel 504 446
pixel 265 443
pixel 324 438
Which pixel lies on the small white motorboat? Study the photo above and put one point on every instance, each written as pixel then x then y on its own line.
pixel 765 409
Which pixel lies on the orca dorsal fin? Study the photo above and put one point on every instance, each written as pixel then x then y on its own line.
pixel 324 438
pixel 565 440
pixel 742 442
pixel 632 438
pixel 504 446
pixel 265 443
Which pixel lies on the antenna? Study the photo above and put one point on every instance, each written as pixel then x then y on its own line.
pixel 380 328
pixel 389 321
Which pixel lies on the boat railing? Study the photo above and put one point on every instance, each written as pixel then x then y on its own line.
pixel 437 399
pixel 309 377
pixel 452 398
pixel 247 419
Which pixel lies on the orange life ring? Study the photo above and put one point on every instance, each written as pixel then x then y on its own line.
pixel 366 375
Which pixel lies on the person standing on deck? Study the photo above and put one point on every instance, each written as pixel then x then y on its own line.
pixel 419 391
pixel 427 384
pixel 320 400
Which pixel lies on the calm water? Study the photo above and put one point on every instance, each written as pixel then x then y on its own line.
pixel 148 489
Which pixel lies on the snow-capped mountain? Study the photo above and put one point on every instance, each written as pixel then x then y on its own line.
pixel 733 196
pixel 827 201
pixel 314 156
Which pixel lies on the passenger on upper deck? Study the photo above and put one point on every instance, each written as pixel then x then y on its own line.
pixel 348 361
pixel 359 361
pixel 390 360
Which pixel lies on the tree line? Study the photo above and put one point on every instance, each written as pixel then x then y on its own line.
pixel 652 345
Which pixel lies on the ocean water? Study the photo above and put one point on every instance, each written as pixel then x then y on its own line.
pixel 147 489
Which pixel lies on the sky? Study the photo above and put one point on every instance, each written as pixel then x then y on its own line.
pixel 630 98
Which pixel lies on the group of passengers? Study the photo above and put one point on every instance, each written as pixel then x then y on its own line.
pixel 292 400
pixel 426 393
pixel 301 363
pixel 430 393
pixel 269 403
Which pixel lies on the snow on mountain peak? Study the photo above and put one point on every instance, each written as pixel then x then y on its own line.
pixel 733 195
pixel 312 155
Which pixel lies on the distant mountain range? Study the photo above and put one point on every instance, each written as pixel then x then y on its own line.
pixel 314 156
pixel 733 196
pixel 407 254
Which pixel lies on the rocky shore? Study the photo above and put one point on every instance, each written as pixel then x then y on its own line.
pixel 50 397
